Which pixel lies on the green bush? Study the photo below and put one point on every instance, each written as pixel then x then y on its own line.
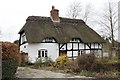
pixel 9 68
pixel 10 57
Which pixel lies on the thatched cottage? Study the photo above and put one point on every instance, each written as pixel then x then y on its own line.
pixel 54 36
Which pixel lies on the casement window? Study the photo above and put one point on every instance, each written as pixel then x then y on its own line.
pixel 75 40
pixel 42 53
pixel 50 40
pixel 23 38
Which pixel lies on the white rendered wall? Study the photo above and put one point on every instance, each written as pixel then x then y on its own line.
pixel 24 48
pixel 52 49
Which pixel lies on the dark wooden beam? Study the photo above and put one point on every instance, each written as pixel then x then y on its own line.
pixel 20 41
pixel 83 49
pixel 59 48
pixel 78 46
pixel 62 45
pixel 72 52
pixel 66 46
pixel 102 51
pixel 88 45
pixel 78 50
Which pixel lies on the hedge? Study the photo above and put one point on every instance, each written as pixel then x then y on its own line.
pixel 10 57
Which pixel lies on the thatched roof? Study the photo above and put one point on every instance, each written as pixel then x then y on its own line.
pixel 38 28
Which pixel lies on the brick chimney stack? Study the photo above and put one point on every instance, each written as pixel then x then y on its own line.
pixel 54 14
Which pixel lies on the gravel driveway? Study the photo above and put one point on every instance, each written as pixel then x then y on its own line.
pixel 26 72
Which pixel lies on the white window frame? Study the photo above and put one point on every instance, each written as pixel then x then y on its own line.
pixel 42 53
pixel 23 38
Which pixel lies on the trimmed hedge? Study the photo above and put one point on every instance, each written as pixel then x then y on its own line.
pixel 10 57
pixel 9 68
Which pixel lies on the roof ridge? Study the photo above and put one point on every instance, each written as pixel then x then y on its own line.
pixel 62 19
pixel 37 18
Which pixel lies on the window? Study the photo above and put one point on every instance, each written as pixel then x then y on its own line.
pixel 23 38
pixel 75 40
pixel 49 40
pixel 39 53
pixel 42 53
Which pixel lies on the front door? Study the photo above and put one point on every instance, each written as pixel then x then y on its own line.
pixel 63 52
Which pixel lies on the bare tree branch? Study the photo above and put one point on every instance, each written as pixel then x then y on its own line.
pixel 109 21
pixel 74 10
pixel 87 12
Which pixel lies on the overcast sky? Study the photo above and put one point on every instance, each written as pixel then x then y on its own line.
pixel 13 13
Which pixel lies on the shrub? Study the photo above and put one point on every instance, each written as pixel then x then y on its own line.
pixel 86 61
pixel 38 63
pixel 71 66
pixel 90 63
pixel 47 61
pixel 10 57
pixel 43 62
pixel 61 61
pixel 9 68
pixel 105 64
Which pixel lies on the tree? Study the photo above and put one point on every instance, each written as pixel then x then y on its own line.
pixel 16 42
pixel 87 12
pixel 109 22
pixel 74 10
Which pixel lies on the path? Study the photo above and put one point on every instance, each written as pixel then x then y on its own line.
pixel 26 72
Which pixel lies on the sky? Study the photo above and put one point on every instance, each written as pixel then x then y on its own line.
pixel 13 13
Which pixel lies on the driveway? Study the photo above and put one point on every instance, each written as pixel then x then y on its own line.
pixel 26 72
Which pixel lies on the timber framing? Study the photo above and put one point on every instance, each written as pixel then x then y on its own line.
pixel 64 47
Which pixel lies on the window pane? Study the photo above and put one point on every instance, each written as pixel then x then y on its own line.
pixel 42 53
pixel 39 53
pixel 45 53
pixel 49 40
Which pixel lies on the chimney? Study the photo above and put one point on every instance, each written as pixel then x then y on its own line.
pixel 54 13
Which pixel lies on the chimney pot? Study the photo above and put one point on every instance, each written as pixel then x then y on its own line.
pixel 53 7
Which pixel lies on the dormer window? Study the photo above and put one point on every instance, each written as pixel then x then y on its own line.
pixel 49 40
pixel 75 40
